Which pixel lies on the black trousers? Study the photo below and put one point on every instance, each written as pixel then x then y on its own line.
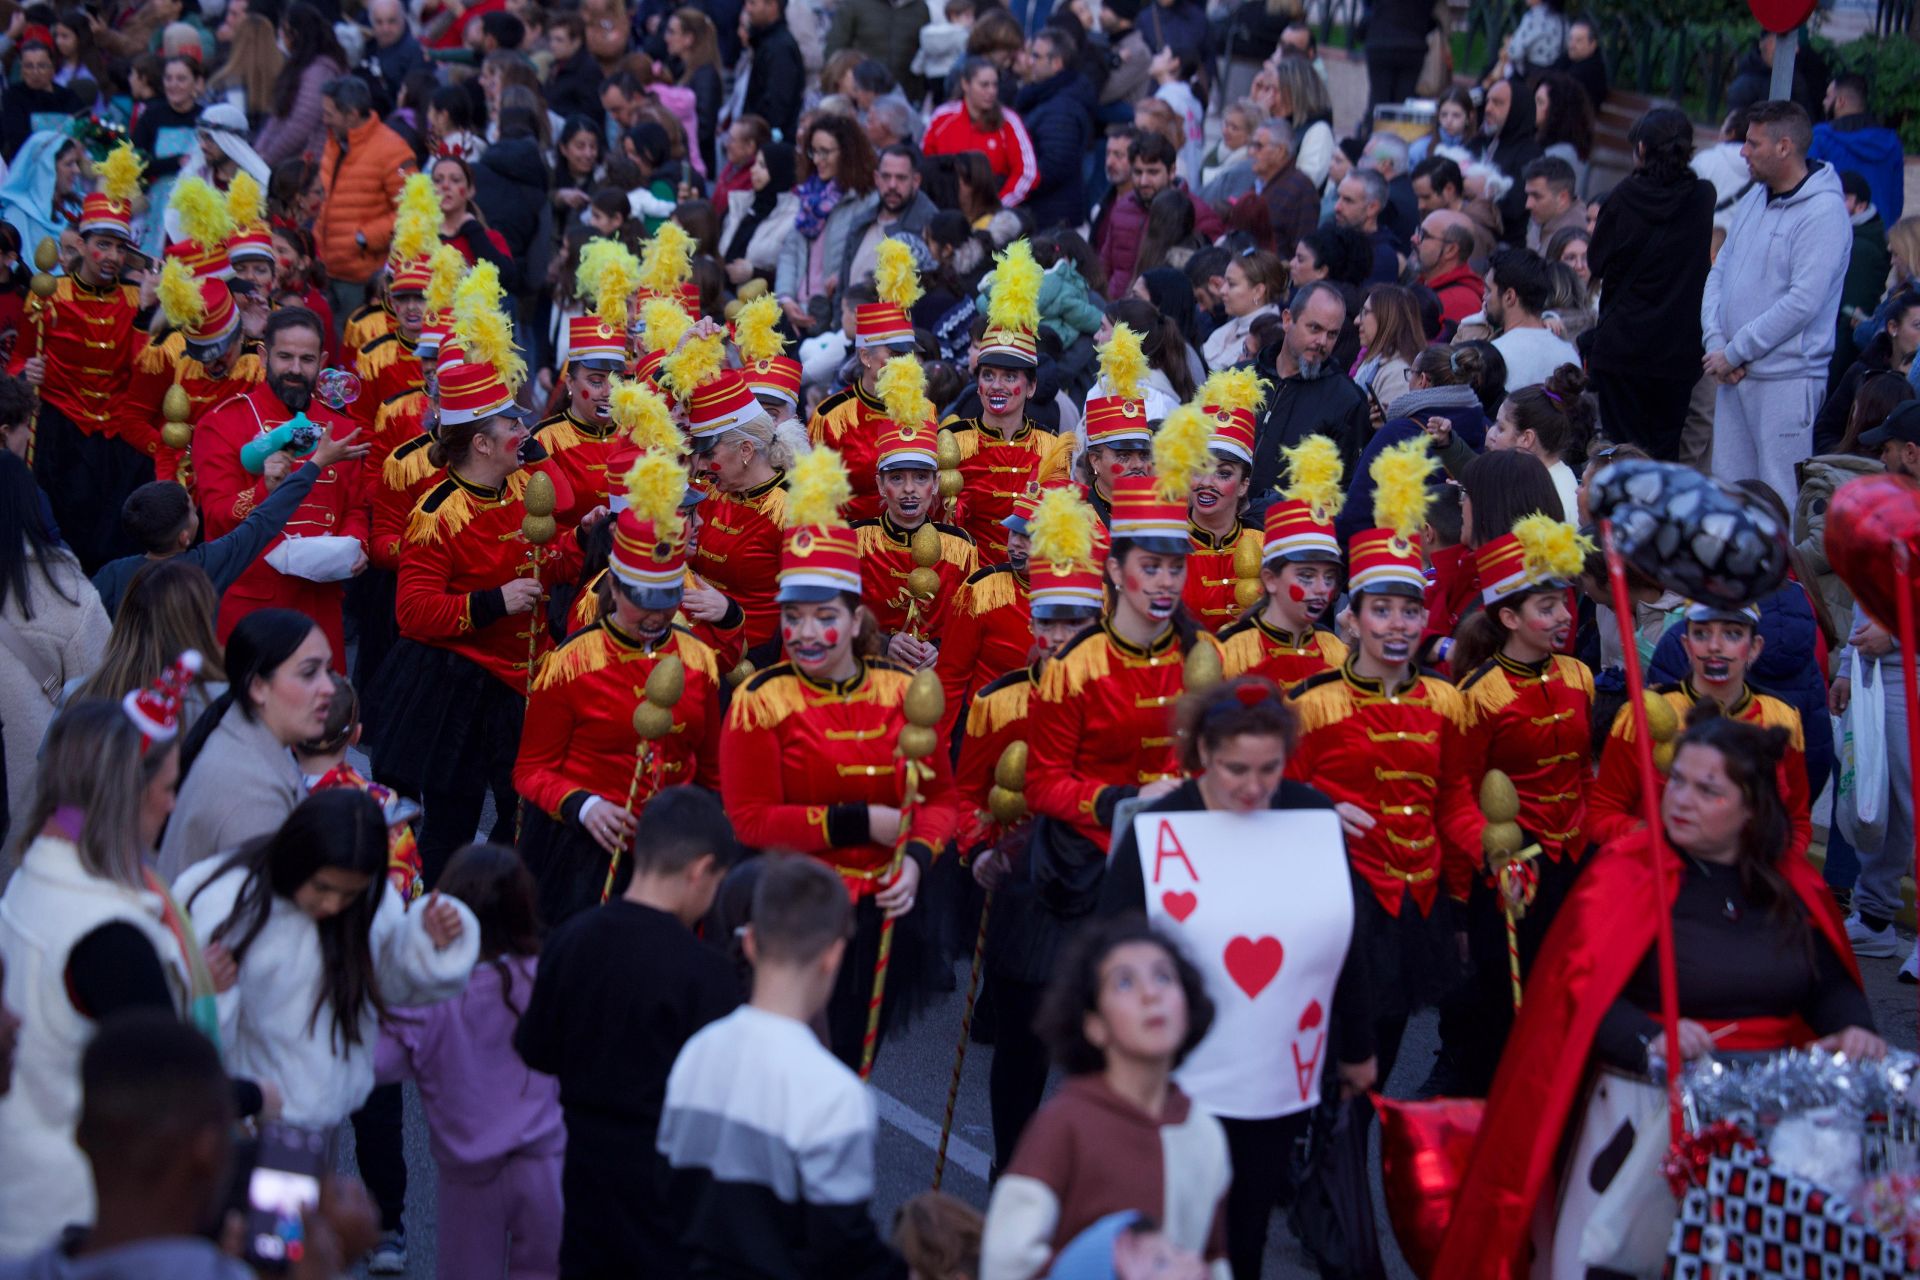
pixel 1392 75
pixel 451 814
pixel 87 479
pixel 379 1147
pixel 1262 1154
pixel 1018 1076
pixel 370 605
pixel 1645 411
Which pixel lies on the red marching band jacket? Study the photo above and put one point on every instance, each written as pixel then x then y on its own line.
pixel 88 344
pixel 1253 647
pixel 593 457
pixel 886 558
pixel 801 761
pixel 463 542
pixel 738 551
pixel 403 479
pixel 997 470
pixel 392 404
pixel 1399 756
pixel 1534 725
pixel 1101 718
pixel 1211 581
pixel 161 366
pixel 579 739
pixel 996 718
pixel 851 421
pixel 988 633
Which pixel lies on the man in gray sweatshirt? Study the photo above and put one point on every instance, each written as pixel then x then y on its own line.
pixel 1770 302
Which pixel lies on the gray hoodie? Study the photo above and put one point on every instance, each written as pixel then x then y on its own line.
pixel 1775 288
pixel 177 1258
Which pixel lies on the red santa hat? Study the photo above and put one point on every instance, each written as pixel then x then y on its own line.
pixel 155 710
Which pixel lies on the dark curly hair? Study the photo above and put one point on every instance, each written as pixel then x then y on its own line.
pixel 1075 992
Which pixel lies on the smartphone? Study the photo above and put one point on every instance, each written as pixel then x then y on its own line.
pixel 284 1182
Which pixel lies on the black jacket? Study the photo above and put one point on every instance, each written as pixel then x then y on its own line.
pixel 510 185
pixel 1328 405
pixel 1058 113
pixel 1650 252
pixel 573 88
pixel 707 96
pixel 19 105
pixel 777 79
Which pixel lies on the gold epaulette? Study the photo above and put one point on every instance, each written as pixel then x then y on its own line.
pixel 697 655
pixel 378 356
pixel 993 709
pixel 1332 648
pixel 409 464
pixel 829 423
pixel 956 547
pixel 767 699
pixel 393 408
pixel 1487 691
pixel 157 357
pixel 248 368
pixel 1623 719
pixel 558 434
pixel 1775 714
pixel 1446 699
pixel 580 655
pixel 1323 700
pixel 449 508
pixel 1241 649
pixel 773 504
pixel 366 324
pixel 888 681
pixel 991 589
pixel 1084 660
pixel 1576 674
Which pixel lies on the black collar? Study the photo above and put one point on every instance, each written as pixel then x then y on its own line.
pixel 1167 639
pixel 838 688
pixel 1377 687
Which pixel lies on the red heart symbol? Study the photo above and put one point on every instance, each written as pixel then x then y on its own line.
pixel 1864 520
pixel 1311 1018
pixel 1252 963
pixel 1179 905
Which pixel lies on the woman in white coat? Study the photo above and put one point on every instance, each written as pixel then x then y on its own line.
pixel 1256 285
pixel 320 950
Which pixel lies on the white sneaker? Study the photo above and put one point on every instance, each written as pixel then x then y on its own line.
pixel 389 1257
pixel 1870 943
pixel 1910 970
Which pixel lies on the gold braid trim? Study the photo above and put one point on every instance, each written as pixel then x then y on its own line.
pixel 1491 694
pixel 1242 651
pixel 582 655
pixel 454 513
pixel 1446 699
pixel 1775 714
pixel 159 355
pixel 1075 669
pixel 998 709
pixel 363 329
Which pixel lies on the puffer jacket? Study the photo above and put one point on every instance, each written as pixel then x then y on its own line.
pixel 1819 476
pixel 1789 668
pixel 363 183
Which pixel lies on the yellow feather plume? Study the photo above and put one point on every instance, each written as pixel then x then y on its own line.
pixel 1179 451
pixel 655 484
pixel 1234 389
pixel 902 385
pixel 667 261
pixel 1315 476
pixel 663 323
pixel 1014 302
pixel 120 173
pixel 416 223
pixel 480 322
pixel 246 202
pixel 694 363
pixel 204 216
pixel 1123 364
pixel 817 487
pixel 1400 495
pixel 754 329
pixel 895 277
pixel 179 296
pixel 1061 528
pixel 644 416
pixel 610 275
pixel 1553 548
pixel 449 265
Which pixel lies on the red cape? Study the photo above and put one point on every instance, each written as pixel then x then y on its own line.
pixel 1595 944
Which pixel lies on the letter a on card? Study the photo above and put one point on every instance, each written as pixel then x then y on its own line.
pixel 1166 846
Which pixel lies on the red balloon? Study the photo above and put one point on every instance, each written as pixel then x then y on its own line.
pixel 1424 1148
pixel 1781 16
pixel 1866 519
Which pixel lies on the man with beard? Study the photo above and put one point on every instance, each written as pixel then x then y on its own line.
pixel 582 439
pixel 909 489
pixel 1308 397
pixel 77 350
pixel 1506 141
pixel 902 208
pixel 226 491
pixel 202 356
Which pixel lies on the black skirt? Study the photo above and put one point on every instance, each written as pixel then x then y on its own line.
pixel 911 969
pixel 437 721
pixel 568 865
pixel 87 479
pixel 1412 957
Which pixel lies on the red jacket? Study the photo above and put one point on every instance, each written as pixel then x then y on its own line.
pixel 886 558
pixel 1461 292
pixel 1211 593
pixel 403 480
pixel 996 470
pixel 89 346
pixel 988 634
pixel 1008 149
pixel 227 493
pixel 1126 227
pixel 851 421
pixel 1252 647
pixel 738 551
pixel 1533 725
pixel 159 367
pixel 593 457
pixel 393 399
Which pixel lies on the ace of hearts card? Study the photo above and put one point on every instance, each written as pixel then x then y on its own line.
pixel 1262 903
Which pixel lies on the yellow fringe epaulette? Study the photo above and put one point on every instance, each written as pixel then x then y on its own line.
pixel 1676 698
pixel 1575 673
pixel 990 589
pixel 393 408
pixel 366 324
pixel 378 356
pixel 888 681
pixel 767 699
pixel 1488 691
pixel 449 508
pixel 248 368
pixel 833 416
pixel 697 655
pixel 409 464
pixel 1446 699
pixel 773 504
pixel 999 705
pixel 1322 701
pixel 558 434
pixel 157 357
pixel 1084 660
pixel 1242 648
pixel 1775 714
pixel 956 547
pixel 579 655
pixel 1332 648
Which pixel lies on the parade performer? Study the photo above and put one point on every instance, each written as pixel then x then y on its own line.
pixel 579 767
pixel 583 439
pixel 202 356
pixel 256 272
pixel 988 633
pixel 330 527
pixel 452 690
pixel 1100 731
pixel 808 756
pixel 1223 544
pixel 1529 708
pixel 1287 640
pixel 407 473
pixel 1384 742
pixel 1763 963
pixel 852 420
pixel 1004 451
pixel 77 350
pixel 1722 645
pixel 1118 434
pixel 393 396
pixel 770 371
pixel 910 627
pixel 745 464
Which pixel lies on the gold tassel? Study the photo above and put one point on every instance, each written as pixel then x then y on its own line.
pixel 766 700
pixel 1323 705
pixel 1242 651
pixel 405 468
pixel 363 329
pixel 998 709
pixel 156 357
pixel 1489 695
pixel 697 655
pixel 454 514
pixel 1446 699
pixel 248 368
pixel 582 655
pixel 378 356
pixel 1575 673
pixel 957 551
pixel 1074 670
pixel 394 410
pixel 1775 714
pixel 559 435
pixel 990 591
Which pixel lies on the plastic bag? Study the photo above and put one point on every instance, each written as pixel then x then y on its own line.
pixel 1863 759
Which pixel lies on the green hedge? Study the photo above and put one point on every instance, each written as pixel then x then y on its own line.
pixel 1892 68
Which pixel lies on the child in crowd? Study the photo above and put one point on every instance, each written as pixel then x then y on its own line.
pixel 939 1237
pixel 1123 1011
pixel 943 39
pixel 611 1040
pixel 1067 308
pixel 770 1171
pixel 493 1125
pixel 323 764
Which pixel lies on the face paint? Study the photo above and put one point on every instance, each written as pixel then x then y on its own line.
pixel 832 635
pixel 1117 469
pixel 786 635
pixel 1133 583
pixel 1294 593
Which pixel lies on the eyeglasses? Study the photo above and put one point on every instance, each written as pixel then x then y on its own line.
pixel 823 153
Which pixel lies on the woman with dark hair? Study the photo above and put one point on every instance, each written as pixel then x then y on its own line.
pixel 167 609
pixel 1168 239
pixel 1563 122
pixel 1763 964
pixel 1440 384
pixel 978 121
pixel 453 124
pixel 313 58
pixel 1648 261
pixel 1391 336
pixel 295 192
pixel 1498 489
pixel 1169 369
pixel 582 149
pixel 47 602
pixel 1891 351
pixel 759 219
pixel 693 55
pixel 462 225
pixel 976 187
pixel 1171 294
pixel 1235 741
pixel 1486 374
pixel 238 778
pixel 1256 285
pixel 320 950
pixel 836 168
pixel 77 56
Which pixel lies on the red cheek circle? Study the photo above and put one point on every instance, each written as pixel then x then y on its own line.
pixel 1133 583
pixel 1294 593
pixel 1117 469
pixel 833 635
pixel 786 634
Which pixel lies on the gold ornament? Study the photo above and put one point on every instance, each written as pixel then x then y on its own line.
pixel 1247 593
pixel 46 254
pixel 1011 771
pixel 1498 799
pixel 925 546
pixel 1007 807
pixel 924 703
pixel 539 499
pixel 652 721
pixel 1663 756
pixel 1246 560
pixel 668 682
pixel 917 742
pixel 175 406
pixel 1202 670
pixel 43 285
pixel 538 530
pixel 922 583
pixel 176 435
pixel 951 483
pixel 946 450
pixel 742 672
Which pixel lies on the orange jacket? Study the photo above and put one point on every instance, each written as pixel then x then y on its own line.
pixel 363 186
